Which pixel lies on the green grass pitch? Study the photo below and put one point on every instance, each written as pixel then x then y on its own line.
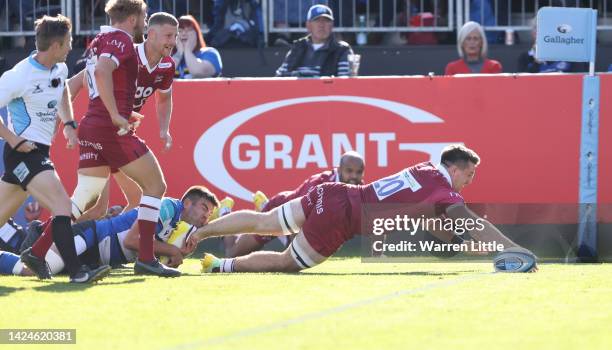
pixel 342 304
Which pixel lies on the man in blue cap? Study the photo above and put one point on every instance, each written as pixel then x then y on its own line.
pixel 318 53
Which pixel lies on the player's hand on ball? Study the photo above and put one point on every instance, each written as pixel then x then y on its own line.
pixel 194 239
pixel 189 247
pixel 175 259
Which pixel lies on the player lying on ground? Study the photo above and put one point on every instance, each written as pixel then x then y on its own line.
pixel 350 171
pixel 331 214
pixel 114 241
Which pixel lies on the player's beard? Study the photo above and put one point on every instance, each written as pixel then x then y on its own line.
pixel 138 36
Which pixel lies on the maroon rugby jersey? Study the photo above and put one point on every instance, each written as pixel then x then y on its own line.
pixel 420 189
pixel 117 45
pixel 151 78
pixel 302 190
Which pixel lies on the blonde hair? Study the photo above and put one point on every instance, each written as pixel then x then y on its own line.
pixel 465 31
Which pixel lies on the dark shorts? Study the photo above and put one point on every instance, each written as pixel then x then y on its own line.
pixel 101 146
pixel 328 218
pixel 20 168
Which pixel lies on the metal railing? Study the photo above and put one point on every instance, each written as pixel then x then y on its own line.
pixel 288 16
pixel 519 14
pixel 17 16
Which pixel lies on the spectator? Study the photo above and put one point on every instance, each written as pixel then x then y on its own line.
pixel 472 49
pixel 610 68
pixel 318 53
pixel 237 23
pixel 527 62
pixel 193 59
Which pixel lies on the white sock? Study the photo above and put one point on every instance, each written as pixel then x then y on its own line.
pixel 227 265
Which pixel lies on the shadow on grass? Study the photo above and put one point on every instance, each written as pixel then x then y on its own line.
pixel 408 273
pixel 4 291
pixel 65 286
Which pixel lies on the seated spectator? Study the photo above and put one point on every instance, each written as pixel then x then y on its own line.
pixel 193 59
pixel 237 23
pixel 318 53
pixel 472 48
pixel 527 62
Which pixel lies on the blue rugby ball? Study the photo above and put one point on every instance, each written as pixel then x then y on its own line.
pixel 514 260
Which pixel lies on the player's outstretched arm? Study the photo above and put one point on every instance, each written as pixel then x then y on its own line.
pixel 489 233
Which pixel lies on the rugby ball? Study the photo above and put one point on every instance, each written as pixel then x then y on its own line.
pixel 514 260
pixel 178 236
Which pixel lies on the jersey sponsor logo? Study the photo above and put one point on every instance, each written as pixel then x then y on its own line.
pixel 319 205
pixel 117 43
pixel 95 145
pixel 46 161
pixel 235 135
pixel 52 104
pixel 158 79
pixel 88 156
pixel 165 65
pixel 37 89
pixel 21 171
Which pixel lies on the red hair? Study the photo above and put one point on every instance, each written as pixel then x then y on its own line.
pixel 188 21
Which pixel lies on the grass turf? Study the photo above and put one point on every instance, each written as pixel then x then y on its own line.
pixel 342 303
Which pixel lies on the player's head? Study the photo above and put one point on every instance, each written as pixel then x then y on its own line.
pixel 189 26
pixel 53 35
pixel 198 203
pixel 320 23
pixel 161 32
pixel 461 163
pixel 131 13
pixel 352 167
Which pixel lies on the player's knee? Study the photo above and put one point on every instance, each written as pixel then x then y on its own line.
pixel 61 207
pixel 155 189
pixel 289 263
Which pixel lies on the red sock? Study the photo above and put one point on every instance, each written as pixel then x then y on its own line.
pixel 145 246
pixel 44 242
pixel 148 213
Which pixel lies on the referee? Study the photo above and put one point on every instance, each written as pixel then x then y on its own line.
pixel 35 93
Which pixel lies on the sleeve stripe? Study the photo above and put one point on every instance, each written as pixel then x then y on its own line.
pixel 111 57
